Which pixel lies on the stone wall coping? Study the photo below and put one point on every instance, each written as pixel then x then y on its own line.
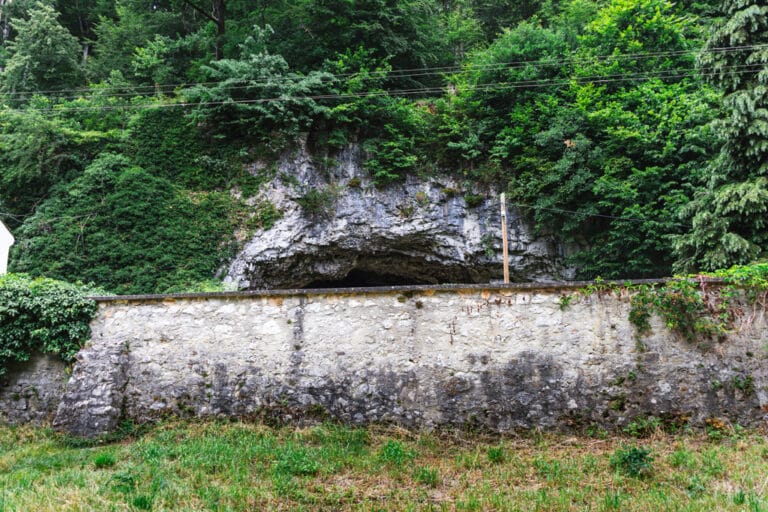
pixel 540 286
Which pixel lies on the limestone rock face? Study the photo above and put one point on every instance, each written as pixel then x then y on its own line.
pixel 338 228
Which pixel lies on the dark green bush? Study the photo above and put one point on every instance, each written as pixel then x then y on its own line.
pixel 632 461
pixel 41 315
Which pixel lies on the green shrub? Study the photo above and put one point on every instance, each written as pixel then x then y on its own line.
pixel 41 315
pixel 392 158
pixel 474 200
pixel 694 311
pixel 496 454
pixel 129 231
pixel 632 461
pixel 163 140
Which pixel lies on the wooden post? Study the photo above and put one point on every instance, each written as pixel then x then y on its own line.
pixel 505 250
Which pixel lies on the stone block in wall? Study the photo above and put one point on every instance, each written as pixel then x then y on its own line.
pixel 93 402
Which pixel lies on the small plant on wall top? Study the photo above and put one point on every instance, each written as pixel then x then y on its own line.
pixel 42 315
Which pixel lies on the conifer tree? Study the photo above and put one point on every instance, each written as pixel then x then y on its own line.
pixel 730 218
pixel 44 55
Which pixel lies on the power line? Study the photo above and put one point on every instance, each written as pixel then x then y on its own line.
pixel 149 90
pixel 678 73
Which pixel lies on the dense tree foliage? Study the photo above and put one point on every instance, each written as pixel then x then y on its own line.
pixel 128 128
pixel 42 57
pixel 730 216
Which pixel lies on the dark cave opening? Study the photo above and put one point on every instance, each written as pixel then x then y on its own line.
pixel 363 278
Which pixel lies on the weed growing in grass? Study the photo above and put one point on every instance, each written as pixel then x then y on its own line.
pixel 550 470
pixel 468 460
pixel 738 432
pixel 124 482
pixel 142 502
pixel 427 476
pixel 151 453
pixel 394 452
pixel 496 454
pixel 589 464
pixel 632 461
pixel 682 458
pixel 613 500
pixel 715 434
pixel 643 427
pixel 284 484
pixel 104 460
pixel 471 502
pixel 597 432
pixel 296 461
pixel 696 486
pixel 755 503
pixel 739 498
pixel 350 441
pixel 713 466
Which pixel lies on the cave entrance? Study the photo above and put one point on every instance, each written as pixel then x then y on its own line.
pixel 364 278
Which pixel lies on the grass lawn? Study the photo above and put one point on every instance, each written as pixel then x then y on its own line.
pixel 245 466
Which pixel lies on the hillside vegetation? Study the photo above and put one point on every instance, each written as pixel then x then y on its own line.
pixel 129 128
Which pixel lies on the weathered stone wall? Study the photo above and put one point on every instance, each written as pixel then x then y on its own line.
pixel 31 391
pixel 496 358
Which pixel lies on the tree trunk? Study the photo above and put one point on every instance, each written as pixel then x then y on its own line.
pixel 219 15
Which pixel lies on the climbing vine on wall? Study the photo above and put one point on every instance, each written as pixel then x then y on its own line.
pixel 697 307
pixel 694 308
pixel 42 315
